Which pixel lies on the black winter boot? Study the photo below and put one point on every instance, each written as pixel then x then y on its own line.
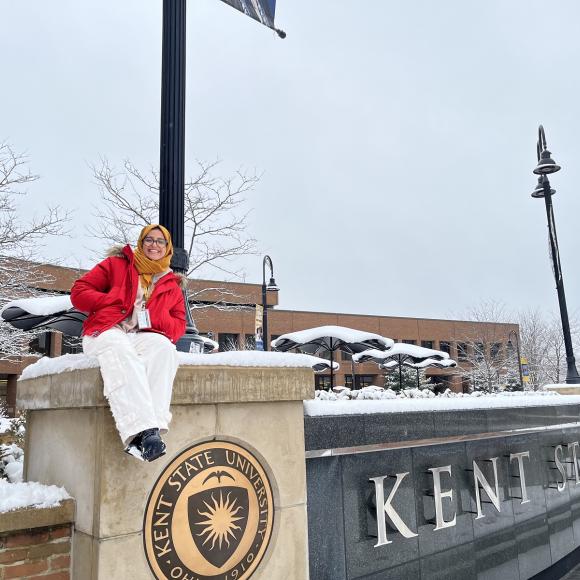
pixel 151 444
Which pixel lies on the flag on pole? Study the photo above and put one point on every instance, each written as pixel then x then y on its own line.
pixel 261 10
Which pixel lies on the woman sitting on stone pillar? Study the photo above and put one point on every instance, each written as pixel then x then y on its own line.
pixel 136 314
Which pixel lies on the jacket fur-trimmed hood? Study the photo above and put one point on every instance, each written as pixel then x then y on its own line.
pixel 117 251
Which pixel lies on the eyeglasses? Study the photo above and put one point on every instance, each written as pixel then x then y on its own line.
pixel 161 242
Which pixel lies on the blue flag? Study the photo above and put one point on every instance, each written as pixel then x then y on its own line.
pixel 261 10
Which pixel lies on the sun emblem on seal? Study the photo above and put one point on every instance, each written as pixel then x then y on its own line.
pixel 220 524
pixel 209 515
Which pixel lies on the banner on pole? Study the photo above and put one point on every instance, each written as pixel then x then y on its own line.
pixel 258 325
pixel 261 10
pixel 525 369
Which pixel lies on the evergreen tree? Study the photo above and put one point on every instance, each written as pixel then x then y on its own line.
pixel 407 379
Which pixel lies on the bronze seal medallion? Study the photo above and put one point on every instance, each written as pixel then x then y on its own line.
pixel 210 515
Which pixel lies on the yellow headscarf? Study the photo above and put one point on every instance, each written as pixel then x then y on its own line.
pixel 148 268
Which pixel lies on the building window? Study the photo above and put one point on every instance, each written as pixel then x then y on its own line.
pixel 322 382
pixel 71 344
pixel 250 342
pixel 360 381
pixel 479 350
pixel 427 343
pixel 409 341
pixel 228 341
pixel 364 380
pixel 41 343
pixel 462 351
pixel 495 350
pixel 445 346
pixel 345 355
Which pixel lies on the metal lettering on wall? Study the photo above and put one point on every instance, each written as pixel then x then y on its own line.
pixel 210 515
pixel 488 486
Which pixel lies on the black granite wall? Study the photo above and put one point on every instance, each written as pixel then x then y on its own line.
pixel 517 542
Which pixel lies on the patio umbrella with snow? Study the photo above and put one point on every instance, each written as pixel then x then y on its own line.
pixel 331 339
pixel 400 353
pixel 431 363
pixel 49 312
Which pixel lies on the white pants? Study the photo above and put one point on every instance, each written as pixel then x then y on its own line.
pixel 138 369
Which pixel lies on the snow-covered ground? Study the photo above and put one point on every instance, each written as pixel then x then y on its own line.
pixel 241 358
pixel 15 496
pixel 388 404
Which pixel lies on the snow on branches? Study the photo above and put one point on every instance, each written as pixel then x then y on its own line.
pixel 20 244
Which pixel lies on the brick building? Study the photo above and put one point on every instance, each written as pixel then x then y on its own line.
pixel 226 312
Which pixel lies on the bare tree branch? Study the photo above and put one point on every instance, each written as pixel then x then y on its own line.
pixel 215 221
pixel 20 242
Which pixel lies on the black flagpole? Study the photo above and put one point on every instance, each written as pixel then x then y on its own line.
pixel 172 150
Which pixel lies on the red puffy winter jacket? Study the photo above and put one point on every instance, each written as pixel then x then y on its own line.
pixel 108 291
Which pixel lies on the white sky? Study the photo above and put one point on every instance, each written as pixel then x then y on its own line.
pixel 396 139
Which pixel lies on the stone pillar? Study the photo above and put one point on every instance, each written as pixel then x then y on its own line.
pixel 235 446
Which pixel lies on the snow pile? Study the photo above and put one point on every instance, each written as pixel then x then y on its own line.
pixel 378 393
pixel 42 306
pixel 251 358
pixel 60 364
pixel 377 400
pixel 5 424
pixel 236 358
pixel 11 463
pixel 15 496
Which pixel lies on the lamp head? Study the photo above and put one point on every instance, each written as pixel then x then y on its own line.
pixel 543 187
pixel 546 164
pixel 271 287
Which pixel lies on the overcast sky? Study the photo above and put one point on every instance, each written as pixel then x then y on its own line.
pixel 396 139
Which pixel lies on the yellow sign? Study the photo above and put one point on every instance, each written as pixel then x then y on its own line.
pixel 210 515
pixel 525 369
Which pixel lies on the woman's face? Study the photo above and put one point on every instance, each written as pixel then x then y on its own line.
pixel 154 245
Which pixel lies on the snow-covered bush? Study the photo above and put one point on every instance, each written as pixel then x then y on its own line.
pixel 408 378
pixel 12 456
pixel 11 463
pixel 379 393
pixel 18 428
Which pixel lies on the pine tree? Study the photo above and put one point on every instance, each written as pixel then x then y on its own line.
pixel 407 379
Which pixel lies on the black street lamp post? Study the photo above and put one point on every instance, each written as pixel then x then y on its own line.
pixel 547 165
pixel 271 287
pixel 519 355
pixel 172 150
